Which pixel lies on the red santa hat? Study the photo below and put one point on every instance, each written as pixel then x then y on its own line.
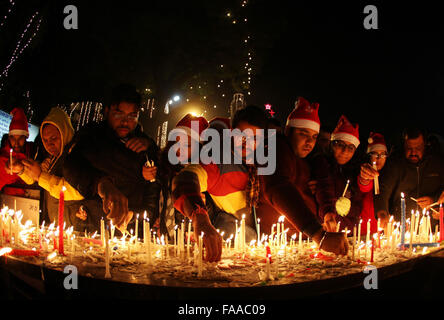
pixel 190 122
pixel 376 142
pixel 304 115
pixel 346 131
pixel 220 123
pixel 19 123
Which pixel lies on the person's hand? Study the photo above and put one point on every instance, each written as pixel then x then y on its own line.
pixel 383 217
pixel 334 242
pixel 424 202
pixel 212 240
pixel 330 222
pixel 149 173
pixel 45 164
pixel 82 214
pixel 367 173
pixel 32 168
pixel 138 144
pixel 17 166
pixel 312 186
pixel 115 204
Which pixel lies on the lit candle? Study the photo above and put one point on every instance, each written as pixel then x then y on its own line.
pixel 258 230
pixel 267 267
pixel 441 223
pixel 402 219
pixel 137 228
pixel 200 264
pixel 346 186
pixel 243 233
pixel 373 249
pixel 10 161
pixel 61 209
pixel 359 231
pixel 300 240
pixel 102 231
pixel 182 236
pixel 376 181
pixel 353 243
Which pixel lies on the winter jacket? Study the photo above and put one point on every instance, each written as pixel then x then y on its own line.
pixel 415 180
pixel 368 211
pixel 331 181
pixel 226 183
pixel 286 193
pixel 97 152
pixel 14 179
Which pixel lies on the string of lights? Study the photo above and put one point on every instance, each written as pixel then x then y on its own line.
pixel 5 17
pixel 19 48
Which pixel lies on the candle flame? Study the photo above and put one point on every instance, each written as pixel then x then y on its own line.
pixel 402 195
pixel 281 219
pixel 63 188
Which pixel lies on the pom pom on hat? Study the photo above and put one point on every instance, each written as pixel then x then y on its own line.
pixel 376 141
pixel 304 115
pixel 19 123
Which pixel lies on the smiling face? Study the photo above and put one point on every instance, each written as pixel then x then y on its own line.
pixel 343 151
pixel 52 140
pixel 378 157
pixel 17 143
pixel 253 134
pixel 303 141
pixel 122 118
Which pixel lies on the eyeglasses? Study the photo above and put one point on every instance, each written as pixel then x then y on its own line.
pixel 345 147
pixel 378 155
pixel 121 116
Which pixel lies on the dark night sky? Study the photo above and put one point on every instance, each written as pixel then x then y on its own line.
pixel 383 79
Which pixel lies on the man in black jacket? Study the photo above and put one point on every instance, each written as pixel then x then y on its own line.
pixel 417 173
pixel 107 160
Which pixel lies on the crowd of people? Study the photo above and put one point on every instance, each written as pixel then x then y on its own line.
pixel 113 170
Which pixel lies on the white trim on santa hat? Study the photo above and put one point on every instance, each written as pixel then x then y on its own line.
pixel 375 147
pixel 18 132
pixel 303 123
pixel 345 137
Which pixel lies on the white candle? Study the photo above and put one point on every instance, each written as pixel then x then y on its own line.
pixel 267 267
pixel 107 269
pixel 102 231
pixel 346 186
pixel 376 181
pixel 137 227
pixel 300 240
pixel 258 230
pixel 200 264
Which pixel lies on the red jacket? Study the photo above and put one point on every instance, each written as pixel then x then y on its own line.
pixel 286 193
pixel 368 211
pixel 5 177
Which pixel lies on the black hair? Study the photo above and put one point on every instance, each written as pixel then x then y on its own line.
pixel 275 121
pixel 123 93
pixel 414 133
pixel 252 115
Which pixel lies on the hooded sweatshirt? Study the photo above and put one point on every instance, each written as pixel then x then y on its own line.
pixel 52 180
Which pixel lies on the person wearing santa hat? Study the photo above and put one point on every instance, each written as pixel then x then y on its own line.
pixel 332 172
pixel 214 195
pixel 377 153
pixel 169 216
pixel 287 191
pixel 20 149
